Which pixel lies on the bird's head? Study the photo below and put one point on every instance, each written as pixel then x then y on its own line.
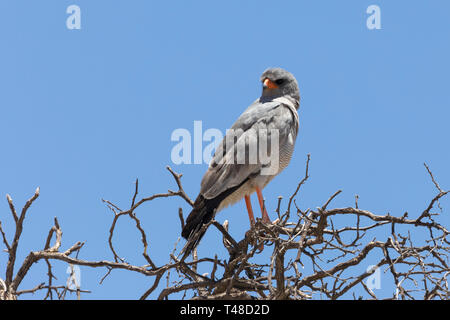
pixel 277 83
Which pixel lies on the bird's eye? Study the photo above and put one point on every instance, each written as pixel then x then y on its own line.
pixel 279 81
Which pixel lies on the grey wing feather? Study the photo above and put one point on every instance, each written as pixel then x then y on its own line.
pixel 226 170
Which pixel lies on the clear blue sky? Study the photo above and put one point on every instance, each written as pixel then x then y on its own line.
pixel 86 112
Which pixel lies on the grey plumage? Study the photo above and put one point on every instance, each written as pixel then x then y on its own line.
pixel 230 176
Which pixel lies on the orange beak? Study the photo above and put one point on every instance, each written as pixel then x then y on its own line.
pixel 269 84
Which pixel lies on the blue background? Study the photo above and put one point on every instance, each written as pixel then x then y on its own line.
pixel 86 112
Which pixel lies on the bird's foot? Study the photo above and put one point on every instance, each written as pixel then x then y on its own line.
pixel 266 220
pixel 252 237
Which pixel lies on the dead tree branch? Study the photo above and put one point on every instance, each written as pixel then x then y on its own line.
pixel 308 254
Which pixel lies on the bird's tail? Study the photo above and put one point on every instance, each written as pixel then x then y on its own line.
pixel 193 231
pixel 203 212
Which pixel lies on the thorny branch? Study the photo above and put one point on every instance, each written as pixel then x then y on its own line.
pixel 308 254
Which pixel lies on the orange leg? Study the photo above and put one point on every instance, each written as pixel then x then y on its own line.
pixel 250 211
pixel 251 217
pixel 265 216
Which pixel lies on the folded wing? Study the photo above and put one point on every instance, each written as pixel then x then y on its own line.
pixel 234 159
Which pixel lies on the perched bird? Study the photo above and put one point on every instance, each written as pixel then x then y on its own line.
pixel 232 175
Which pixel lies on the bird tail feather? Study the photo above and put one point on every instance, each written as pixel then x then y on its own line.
pixel 194 229
pixel 203 212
